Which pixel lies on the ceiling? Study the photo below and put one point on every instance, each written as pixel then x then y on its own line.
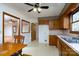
pixel 54 9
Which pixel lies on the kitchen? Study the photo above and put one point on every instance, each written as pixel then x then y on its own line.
pixel 63 33
pixel 55 35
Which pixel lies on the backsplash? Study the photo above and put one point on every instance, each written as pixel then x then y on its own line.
pixel 62 32
pixel 67 32
pixel 55 32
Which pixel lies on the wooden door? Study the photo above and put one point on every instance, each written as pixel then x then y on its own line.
pixel 33 31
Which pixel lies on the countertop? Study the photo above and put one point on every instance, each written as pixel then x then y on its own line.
pixel 74 46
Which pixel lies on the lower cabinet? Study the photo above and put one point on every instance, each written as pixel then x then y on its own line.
pixel 53 40
pixel 65 50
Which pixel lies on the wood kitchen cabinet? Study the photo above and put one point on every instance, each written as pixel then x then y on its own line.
pixel 43 22
pixel 53 24
pixel 61 23
pixel 64 22
pixel 53 40
pixel 71 52
pixel 65 50
pixel 56 24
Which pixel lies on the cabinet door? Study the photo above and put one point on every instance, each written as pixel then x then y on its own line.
pixel 52 40
pixel 64 22
pixel 59 46
pixel 43 22
pixel 71 52
pixel 51 24
pixel 65 50
pixel 61 23
pixel 56 24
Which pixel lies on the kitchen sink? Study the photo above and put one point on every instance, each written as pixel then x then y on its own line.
pixel 71 39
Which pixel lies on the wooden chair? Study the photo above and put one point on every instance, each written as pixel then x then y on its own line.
pixel 20 39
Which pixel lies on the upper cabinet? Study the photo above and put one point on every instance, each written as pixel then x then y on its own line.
pixel 61 23
pixel 64 22
pixel 65 18
pixel 53 24
pixel 43 22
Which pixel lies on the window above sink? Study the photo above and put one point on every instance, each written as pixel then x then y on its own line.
pixel 74 21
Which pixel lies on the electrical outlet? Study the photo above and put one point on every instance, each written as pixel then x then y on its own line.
pixel 45 40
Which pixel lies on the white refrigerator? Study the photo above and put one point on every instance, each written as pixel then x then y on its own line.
pixel 44 34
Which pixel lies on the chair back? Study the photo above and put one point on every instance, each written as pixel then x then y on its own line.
pixel 19 39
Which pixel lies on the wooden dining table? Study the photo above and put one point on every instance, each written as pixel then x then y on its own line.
pixel 10 49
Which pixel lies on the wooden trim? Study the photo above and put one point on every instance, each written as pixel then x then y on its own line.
pixel 11 15
pixel 71 8
pixel 64 9
pixel 76 10
pixel 3 27
pixel 71 21
pixel 22 26
pixel 4 13
pixel 74 32
pixel 75 21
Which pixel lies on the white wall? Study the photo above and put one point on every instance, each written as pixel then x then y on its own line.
pixel 67 32
pixel 8 30
pixel 0 29
pixel 14 12
pixel 27 35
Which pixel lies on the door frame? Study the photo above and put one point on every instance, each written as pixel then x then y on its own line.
pixel 5 13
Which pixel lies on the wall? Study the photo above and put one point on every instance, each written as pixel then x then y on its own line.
pixel 0 29
pixel 14 12
pixel 8 30
pixel 67 32
pixel 27 35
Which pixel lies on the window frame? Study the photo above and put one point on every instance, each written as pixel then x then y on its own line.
pixel 71 21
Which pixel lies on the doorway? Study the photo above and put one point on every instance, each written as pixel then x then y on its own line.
pixel 11 27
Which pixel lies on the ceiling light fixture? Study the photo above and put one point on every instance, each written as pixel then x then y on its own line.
pixel 34 9
pixel 39 9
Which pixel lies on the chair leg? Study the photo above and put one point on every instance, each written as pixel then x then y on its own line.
pixel 20 52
